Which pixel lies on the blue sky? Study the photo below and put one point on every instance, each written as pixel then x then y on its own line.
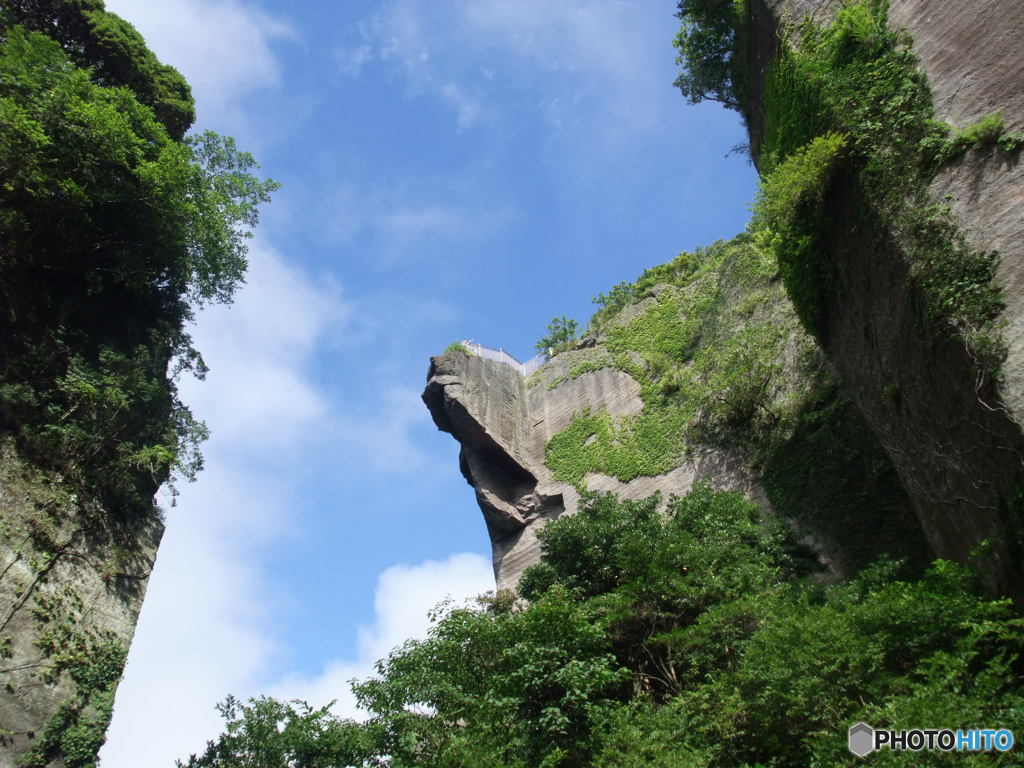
pixel 450 170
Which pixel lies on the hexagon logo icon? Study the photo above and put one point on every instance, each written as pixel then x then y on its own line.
pixel 861 739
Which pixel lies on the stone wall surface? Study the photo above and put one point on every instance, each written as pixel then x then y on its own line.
pixel 956 442
pixel 973 54
pixel 71 587
pixel 503 422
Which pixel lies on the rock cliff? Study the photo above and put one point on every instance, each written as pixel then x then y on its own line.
pixel 503 426
pixel 705 376
pixel 72 581
pixel 952 431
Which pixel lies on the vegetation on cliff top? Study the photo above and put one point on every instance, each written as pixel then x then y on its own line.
pixel 847 98
pixel 113 229
pixel 691 638
pixel 560 335
pixel 458 346
pixel 705 347
pixel 723 363
pixel 711 42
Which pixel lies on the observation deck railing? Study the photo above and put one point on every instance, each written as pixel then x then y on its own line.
pixel 501 356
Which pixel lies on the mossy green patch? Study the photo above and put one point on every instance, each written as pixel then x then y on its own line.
pixel 794 112
pixel 648 444
pixel 587 365
pixel 722 361
pixel 849 98
pixel 703 338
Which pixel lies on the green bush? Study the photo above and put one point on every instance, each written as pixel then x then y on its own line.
pixel 560 336
pixel 989 131
pixel 457 346
pixel 790 219
pixel 684 638
pixel 113 231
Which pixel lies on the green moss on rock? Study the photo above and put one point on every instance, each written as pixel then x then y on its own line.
pixel 705 350
pixel 849 96
pixel 723 362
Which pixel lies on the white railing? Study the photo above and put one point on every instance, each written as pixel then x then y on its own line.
pixel 501 356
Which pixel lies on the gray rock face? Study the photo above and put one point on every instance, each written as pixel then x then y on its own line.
pixel 957 444
pixel 503 425
pixel 71 586
pixel 973 54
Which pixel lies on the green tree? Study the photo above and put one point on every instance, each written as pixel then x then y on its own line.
pixel 561 333
pixel 112 232
pixel 112 50
pixel 266 733
pixel 708 43
pixel 531 686
pixel 683 638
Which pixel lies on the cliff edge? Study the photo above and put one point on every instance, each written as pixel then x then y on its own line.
pixel 699 372
pixel 503 426
pixel 901 237
pixel 71 587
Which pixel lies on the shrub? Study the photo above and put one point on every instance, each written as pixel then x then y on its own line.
pixel 561 334
pixel 457 346
pixel 681 639
pixel 790 219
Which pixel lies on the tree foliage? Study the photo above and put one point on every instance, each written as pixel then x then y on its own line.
pixel 112 230
pixel 708 43
pixel 266 733
pixel 561 333
pixel 685 637
pixel 112 50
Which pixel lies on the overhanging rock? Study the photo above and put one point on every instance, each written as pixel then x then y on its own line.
pixel 503 425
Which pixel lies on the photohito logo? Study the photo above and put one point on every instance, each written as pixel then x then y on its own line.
pixel 862 739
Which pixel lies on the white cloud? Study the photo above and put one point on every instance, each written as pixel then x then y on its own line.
pixel 403 221
pixel 350 60
pixel 207 625
pixel 467 109
pixel 346 214
pixel 257 349
pixel 198 635
pixel 406 225
pixel 382 437
pixel 598 51
pixel 205 41
pixel 203 629
pixel 403 598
